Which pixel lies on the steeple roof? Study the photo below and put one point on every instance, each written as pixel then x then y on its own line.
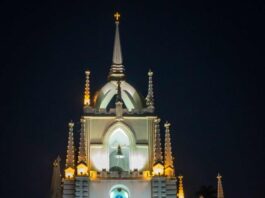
pixel 117 68
pixel 130 97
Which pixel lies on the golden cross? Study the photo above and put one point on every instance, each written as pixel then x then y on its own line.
pixel 117 16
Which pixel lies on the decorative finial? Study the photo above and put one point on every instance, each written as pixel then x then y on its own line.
pixel 87 89
pixel 150 73
pixel 117 16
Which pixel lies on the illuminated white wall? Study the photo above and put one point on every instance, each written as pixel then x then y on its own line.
pixel 135 132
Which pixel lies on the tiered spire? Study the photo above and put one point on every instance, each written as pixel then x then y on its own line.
pixel 150 95
pixel 158 167
pixel 180 187
pixel 168 152
pixel 82 156
pixel 87 89
pixel 158 157
pixel 117 68
pixel 70 157
pixel 220 191
pixel 56 179
pixel 82 168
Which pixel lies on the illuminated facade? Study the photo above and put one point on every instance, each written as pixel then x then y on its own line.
pixel 119 153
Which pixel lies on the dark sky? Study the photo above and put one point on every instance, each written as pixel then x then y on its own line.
pixel 208 60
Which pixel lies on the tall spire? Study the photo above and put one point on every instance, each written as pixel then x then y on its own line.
pixel 117 68
pixel 82 156
pixel 150 95
pixel 220 191
pixel 180 187
pixel 87 89
pixel 56 179
pixel 70 157
pixel 169 167
pixel 158 157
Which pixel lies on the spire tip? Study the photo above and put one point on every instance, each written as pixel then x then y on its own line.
pixel 117 16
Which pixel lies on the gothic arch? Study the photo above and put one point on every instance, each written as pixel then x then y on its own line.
pixel 119 133
pixel 111 128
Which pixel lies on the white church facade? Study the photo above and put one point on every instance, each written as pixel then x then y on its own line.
pixel 119 153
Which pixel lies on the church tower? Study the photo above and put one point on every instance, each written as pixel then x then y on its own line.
pixel 119 154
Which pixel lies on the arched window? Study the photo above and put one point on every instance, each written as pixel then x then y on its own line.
pixel 119 150
pixel 119 193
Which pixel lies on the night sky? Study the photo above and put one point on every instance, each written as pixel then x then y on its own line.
pixel 208 63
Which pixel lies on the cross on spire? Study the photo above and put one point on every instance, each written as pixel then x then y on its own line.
pixel 117 16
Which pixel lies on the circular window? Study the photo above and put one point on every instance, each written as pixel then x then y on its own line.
pixel 119 193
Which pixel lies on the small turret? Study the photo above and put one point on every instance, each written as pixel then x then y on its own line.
pixel 220 191
pixel 56 191
pixel 169 166
pixel 180 187
pixel 82 168
pixel 158 168
pixel 150 95
pixel 70 157
pixel 87 89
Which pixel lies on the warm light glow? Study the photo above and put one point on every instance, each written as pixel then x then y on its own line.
pixel 93 174
pixel 82 169
pixel 169 171
pixel 117 16
pixel 69 173
pixel 147 174
pixel 158 169
pixel 87 89
pixel 87 100
pixel 181 189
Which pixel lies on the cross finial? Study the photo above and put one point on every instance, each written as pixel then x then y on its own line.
pixel 117 16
